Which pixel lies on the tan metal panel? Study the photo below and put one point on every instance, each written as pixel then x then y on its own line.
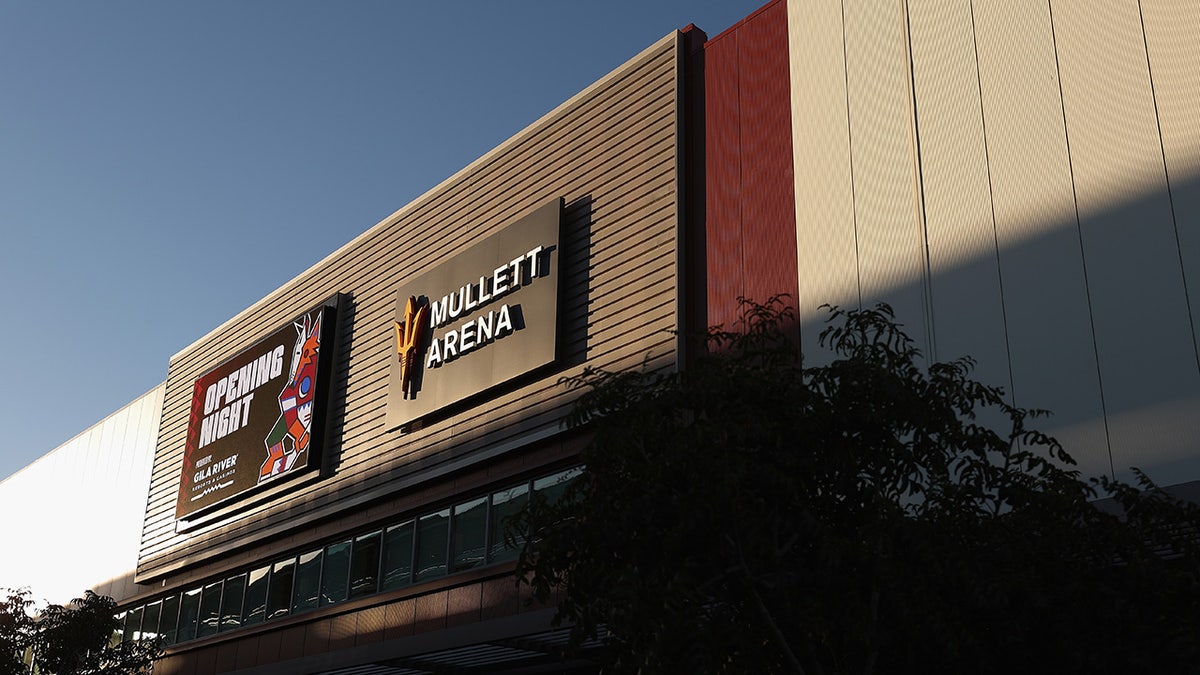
pixel 1172 31
pixel 1148 368
pixel 891 241
pixel 1045 297
pixel 611 153
pixel 964 272
pixel 826 242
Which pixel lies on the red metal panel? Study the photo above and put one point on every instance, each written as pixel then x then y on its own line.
pixel 768 185
pixel 750 205
pixel 723 155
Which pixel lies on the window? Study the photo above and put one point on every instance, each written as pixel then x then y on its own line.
pixel 279 594
pixel 150 620
pixel 133 624
pixel 432 537
pixel 505 504
pixel 169 619
pixel 468 534
pixel 255 603
pixel 308 581
pixel 210 610
pixel 364 565
pixel 397 556
pixel 335 581
pixel 231 602
pixel 552 487
pixel 418 549
pixel 189 613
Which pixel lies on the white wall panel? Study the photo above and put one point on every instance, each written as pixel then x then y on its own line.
pixel 891 246
pixel 968 315
pixel 826 242
pixel 74 516
pixel 1142 326
pixel 1045 296
pixel 1172 34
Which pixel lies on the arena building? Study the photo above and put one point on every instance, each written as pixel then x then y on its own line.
pixel 1020 180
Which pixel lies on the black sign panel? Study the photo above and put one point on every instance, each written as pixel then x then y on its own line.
pixel 479 319
pixel 259 417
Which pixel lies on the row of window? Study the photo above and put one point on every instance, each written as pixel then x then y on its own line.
pixel 418 549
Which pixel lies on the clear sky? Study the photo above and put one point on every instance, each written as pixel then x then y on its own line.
pixel 137 138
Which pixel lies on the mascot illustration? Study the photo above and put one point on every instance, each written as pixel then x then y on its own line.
pixel 288 439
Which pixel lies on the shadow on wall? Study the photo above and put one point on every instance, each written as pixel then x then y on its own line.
pixel 1089 319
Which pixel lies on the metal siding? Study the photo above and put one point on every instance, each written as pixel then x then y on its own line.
pixel 1172 29
pixel 1045 298
pixel 611 153
pixel 723 178
pixel 768 204
pixel 826 242
pixel 1143 329
pixel 891 250
pixel 106 471
pixel 964 272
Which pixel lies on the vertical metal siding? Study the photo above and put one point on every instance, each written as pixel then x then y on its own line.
pixel 964 271
pixel 891 251
pixel 1142 327
pixel 723 178
pixel 826 241
pixel 751 213
pixel 1171 31
pixel 768 206
pixel 1045 296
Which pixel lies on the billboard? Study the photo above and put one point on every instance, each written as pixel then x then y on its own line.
pixel 483 317
pixel 259 417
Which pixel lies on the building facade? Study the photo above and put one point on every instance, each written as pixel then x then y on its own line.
pixel 1019 180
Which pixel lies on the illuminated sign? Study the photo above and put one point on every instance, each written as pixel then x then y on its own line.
pixel 259 417
pixel 482 318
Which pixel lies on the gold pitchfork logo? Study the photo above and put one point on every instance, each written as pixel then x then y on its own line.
pixel 408 342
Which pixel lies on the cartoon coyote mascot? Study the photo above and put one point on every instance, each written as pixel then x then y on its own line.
pixel 288 439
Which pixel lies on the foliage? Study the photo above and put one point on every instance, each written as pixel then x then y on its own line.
pixel 76 639
pixel 750 514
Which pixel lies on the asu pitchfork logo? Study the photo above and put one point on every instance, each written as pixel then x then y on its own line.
pixel 409 334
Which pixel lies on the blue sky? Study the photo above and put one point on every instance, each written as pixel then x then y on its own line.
pixel 136 137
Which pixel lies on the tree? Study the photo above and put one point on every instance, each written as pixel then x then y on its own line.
pixel 751 514
pixel 76 639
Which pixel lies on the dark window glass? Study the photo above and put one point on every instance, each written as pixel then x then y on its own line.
pixel 119 630
pixel 133 624
pixel 189 613
pixel 308 581
pixel 335 580
pixel 255 604
pixel 150 620
pixel 364 565
pixel 210 610
pixel 468 534
pixel 397 556
pixel 432 538
pixel 169 619
pixel 504 504
pixel 553 487
pixel 231 602
pixel 279 596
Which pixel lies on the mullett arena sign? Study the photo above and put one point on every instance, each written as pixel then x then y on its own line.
pixel 259 417
pixel 480 319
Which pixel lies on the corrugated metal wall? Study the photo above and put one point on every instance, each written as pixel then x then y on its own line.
pixel 1020 179
pixel 611 153
pixel 83 501
pixel 751 249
